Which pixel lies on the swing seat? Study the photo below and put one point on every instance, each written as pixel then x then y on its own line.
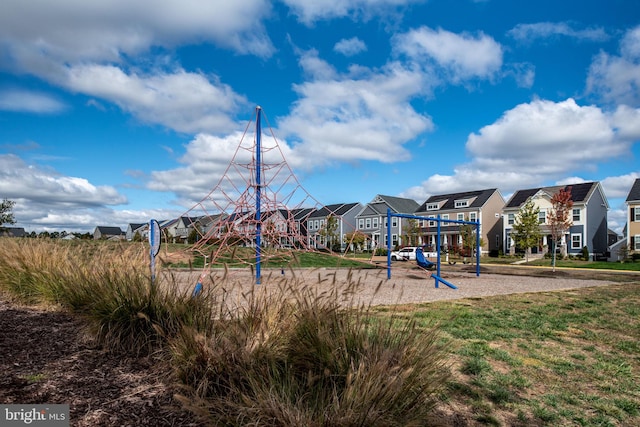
pixel 422 261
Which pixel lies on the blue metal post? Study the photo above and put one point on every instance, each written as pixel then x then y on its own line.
pixel 388 243
pixel 258 192
pixel 478 249
pixel 438 252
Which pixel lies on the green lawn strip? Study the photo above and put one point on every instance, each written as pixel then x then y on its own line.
pixel 557 358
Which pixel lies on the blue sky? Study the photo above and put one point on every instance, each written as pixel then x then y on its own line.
pixel 114 112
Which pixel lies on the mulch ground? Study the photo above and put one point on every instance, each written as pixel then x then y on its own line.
pixel 46 358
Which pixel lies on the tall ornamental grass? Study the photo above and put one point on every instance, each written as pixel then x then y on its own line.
pixel 285 354
pixel 299 358
pixel 107 283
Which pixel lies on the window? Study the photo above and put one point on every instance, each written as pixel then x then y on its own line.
pixel 360 223
pixel 511 219
pixel 576 215
pixel 394 221
pixel 542 216
pixel 375 222
pixel 508 241
pixel 394 239
pixel 432 206
pixel 462 203
pixel 432 223
pixel 636 214
pixel 473 216
pixel 636 243
pixel 576 241
pixel 460 217
pixel 445 216
pixel 368 221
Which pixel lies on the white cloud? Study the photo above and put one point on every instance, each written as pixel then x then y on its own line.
pixel 186 102
pixel 542 30
pixel 349 118
pixel 19 180
pixel 617 78
pixel 618 187
pixel 533 144
pixel 30 102
pixel 215 171
pixel 46 200
pixel 459 56
pixel 350 47
pixel 309 12
pixel 101 30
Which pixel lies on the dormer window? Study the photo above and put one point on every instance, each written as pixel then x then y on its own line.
pixel 433 206
pixel 462 203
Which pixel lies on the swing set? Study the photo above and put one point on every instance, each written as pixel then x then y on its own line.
pixel 426 264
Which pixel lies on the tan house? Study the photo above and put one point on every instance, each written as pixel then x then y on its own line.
pixel 484 206
pixel 633 217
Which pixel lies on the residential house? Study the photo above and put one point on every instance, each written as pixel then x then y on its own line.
pixel 483 206
pixel 372 220
pixel 108 233
pixel 344 215
pixel 300 226
pixel 589 218
pixel 133 228
pixel 181 229
pixel 211 226
pixel 12 232
pixel 633 217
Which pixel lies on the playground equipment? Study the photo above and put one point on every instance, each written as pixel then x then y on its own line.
pixel 422 261
pixel 437 277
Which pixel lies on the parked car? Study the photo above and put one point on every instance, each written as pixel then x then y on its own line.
pixel 408 253
pixel 404 254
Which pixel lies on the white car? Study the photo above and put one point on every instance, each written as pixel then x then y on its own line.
pixel 409 254
pixel 405 254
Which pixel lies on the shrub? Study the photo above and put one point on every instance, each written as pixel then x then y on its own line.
pixel 306 360
pixel 585 253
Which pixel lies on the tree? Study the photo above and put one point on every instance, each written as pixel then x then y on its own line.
pixel 413 231
pixel 468 234
pixel 6 213
pixel 329 232
pixel 355 239
pixel 526 229
pixel 560 218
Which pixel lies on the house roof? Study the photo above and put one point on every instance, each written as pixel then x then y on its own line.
pixel 109 231
pixel 580 193
pixel 634 193
pixel 397 204
pixel 134 226
pixel 479 197
pixel 12 232
pixel 326 210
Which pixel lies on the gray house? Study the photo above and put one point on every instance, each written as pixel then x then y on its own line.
pixel 372 220
pixel 108 233
pixel 344 215
pixel 589 216
pixel 133 228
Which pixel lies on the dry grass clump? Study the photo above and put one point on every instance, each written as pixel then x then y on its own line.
pixel 280 356
pixel 296 357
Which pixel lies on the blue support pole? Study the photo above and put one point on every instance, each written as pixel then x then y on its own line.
pixel 438 253
pixel 258 192
pixel 478 249
pixel 388 243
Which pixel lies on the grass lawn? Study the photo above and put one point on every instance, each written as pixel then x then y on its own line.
pixel 562 358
